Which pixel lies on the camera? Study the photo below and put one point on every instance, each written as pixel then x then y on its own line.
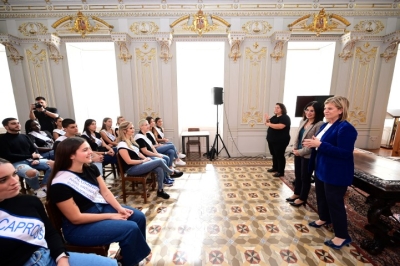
pixel 38 105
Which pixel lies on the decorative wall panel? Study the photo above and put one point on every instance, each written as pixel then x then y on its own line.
pixel 253 85
pixel 361 85
pixel 147 81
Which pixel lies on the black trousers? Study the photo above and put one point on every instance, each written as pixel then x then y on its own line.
pixel 277 150
pixel 330 201
pixel 303 177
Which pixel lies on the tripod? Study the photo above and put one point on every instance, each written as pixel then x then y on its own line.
pixel 214 149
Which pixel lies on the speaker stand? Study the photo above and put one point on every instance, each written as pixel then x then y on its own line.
pixel 215 144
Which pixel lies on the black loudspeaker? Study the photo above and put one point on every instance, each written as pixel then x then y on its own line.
pixel 217 95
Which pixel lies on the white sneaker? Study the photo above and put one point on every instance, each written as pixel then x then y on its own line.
pixel 180 162
pixel 181 155
pixel 173 165
pixel 40 193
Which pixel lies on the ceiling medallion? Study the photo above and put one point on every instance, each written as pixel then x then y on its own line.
pixel 320 23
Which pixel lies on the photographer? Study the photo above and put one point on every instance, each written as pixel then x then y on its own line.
pixel 45 115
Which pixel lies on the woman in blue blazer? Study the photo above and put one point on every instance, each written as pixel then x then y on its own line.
pixel 333 162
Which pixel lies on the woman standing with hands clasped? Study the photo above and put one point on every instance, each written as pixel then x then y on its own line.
pixel 333 162
pixel 278 138
pixel 309 126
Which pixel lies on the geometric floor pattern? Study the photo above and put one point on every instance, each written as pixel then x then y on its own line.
pixel 233 213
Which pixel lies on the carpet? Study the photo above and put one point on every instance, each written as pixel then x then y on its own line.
pixel 357 218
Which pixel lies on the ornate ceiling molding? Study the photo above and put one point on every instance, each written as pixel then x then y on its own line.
pixel 124 41
pixel 53 43
pixel 235 40
pixel 391 50
pixel 256 27
pixel 164 40
pixel 9 41
pixel 30 29
pixel 144 28
pixel 348 42
pixel 369 26
pixel 279 39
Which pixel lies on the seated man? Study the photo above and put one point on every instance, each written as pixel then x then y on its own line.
pixel 22 153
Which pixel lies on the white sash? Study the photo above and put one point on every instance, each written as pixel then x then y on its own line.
pixel 109 135
pixel 141 136
pixel 96 140
pixel 89 191
pixel 160 133
pixel 151 134
pixel 29 230
pixel 123 144
pixel 61 132
pixel 61 138
pixel 41 136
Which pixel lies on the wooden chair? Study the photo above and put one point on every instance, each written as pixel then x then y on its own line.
pixel 139 179
pixel 193 141
pixel 108 170
pixel 55 218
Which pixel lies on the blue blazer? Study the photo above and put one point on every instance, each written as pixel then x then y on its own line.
pixel 333 162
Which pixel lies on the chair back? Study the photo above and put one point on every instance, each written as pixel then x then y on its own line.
pixel 193 140
pixel 55 217
pixel 120 166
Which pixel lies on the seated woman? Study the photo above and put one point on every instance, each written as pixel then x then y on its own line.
pixel 167 148
pixel 96 142
pixel 120 119
pixel 147 148
pixel 135 163
pixel 59 130
pixel 25 245
pixel 158 131
pixel 92 215
pixel 42 140
pixel 107 133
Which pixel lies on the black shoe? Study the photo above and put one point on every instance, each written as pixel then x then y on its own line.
pixel 290 199
pixel 176 174
pixel 272 170
pixel 297 204
pixel 162 194
pixel 314 224
pixel 277 175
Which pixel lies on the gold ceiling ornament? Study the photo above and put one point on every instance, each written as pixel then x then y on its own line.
pixel 390 51
pixel 369 26
pixel 348 42
pixel 279 39
pixel 365 56
pixel 256 27
pixel 165 41
pixel 200 23
pixel 32 29
pixel 144 28
pixel 123 40
pixel 320 23
pixel 9 41
pixel 81 24
pixel 235 39
pixel 53 43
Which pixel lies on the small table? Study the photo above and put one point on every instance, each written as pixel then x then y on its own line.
pixel 187 134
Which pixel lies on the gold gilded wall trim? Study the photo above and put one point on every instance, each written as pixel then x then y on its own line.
pixel 144 28
pixel 369 26
pixel 32 29
pixel 253 86
pixel 38 71
pixel 365 56
pixel 256 27
pixel 13 53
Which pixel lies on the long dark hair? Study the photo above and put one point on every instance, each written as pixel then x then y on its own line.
pixel 153 129
pixel 103 126
pixel 283 108
pixel 86 129
pixel 64 151
pixel 318 110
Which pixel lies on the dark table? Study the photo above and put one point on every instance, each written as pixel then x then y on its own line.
pixel 188 134
pixel 380 178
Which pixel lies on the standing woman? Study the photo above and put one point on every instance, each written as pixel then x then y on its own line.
pixel 92 215
pixel 309 126
pixel 333 162
pixel 107 133
pixel 278 138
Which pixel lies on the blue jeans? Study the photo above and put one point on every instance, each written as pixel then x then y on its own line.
pixel 49 155
pixel 131 233
pixel 176 151
pixel 24 166
pixel 169 150
pixel 157 166
pixel 41 257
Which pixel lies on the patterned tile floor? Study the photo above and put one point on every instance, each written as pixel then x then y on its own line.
pixel 232 212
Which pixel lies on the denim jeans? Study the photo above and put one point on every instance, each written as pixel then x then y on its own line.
pixel 41 257
pixel 49 155
pixel 24 166
pixel 169 150
pixel 156 165
pixel 176 151
pixel 131 233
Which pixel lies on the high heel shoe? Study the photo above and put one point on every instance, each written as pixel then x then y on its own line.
pixel 297 204
pixel 290 199
pixel 313 224
pixel 330 244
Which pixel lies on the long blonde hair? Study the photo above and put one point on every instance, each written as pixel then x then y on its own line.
pixel 122 135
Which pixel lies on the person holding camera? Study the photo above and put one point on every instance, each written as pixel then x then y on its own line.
pixel 45 115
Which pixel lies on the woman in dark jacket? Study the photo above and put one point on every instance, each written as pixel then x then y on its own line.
pixel 333 162
pixel 278 138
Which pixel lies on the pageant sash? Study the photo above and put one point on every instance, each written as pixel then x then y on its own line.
pixel 29 230
pixel 123 144
pixel 109 135
pixel 60 132
pixel 152 136
pixel 159 131
pixel 141 136
pixel 96 140
pixel 89 191
pixel 41 136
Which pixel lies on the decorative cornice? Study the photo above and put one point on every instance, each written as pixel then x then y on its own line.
pixel 348 42
pixel 235 39
pixel 53 43
pixel 165 40
pixel 9 41
pixel 279 39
